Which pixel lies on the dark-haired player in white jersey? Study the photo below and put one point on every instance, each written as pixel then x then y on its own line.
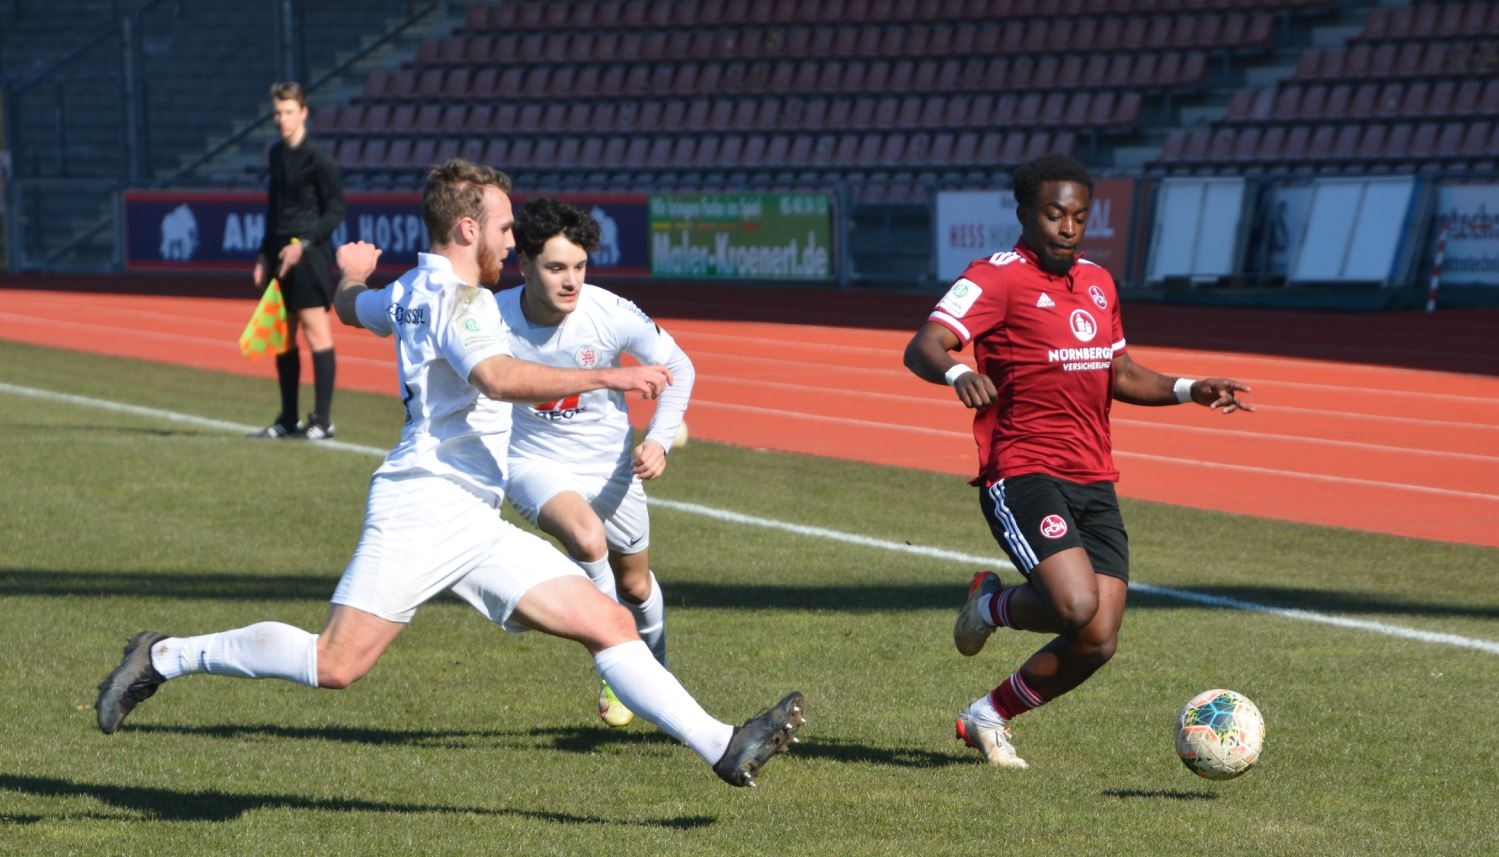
pixel 575 469
pixel 432 522
pixel 1051 355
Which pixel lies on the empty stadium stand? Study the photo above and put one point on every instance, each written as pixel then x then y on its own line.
pixel 1416 88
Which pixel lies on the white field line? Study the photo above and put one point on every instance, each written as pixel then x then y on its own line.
pixel 1382 628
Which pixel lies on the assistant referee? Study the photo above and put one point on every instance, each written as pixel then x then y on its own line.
pixel 305 206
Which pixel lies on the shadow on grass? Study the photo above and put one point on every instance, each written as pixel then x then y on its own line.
pixel 838 750
pixel 839 598
pixel 1158 794
pixel 106 430
pixel 586 740
pixel 568 739
pixel 176 805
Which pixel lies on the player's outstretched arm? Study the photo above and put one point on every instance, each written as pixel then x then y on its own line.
pixel 1140 385
pixel 929 357
pixel 356 261
pixel 520 381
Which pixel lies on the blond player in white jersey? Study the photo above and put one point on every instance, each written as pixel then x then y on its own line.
pixel 575 469
pixel 432 524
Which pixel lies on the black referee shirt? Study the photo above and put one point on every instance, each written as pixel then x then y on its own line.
pixel 305 199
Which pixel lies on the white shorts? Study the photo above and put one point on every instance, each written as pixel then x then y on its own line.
pixel 617 497
pixel 425 534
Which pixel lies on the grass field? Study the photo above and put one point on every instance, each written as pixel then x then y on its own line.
pixel 467 740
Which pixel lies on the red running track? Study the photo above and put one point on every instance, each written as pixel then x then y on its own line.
pixel 1383 422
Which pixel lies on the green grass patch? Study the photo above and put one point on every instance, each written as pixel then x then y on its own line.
pixel 468 740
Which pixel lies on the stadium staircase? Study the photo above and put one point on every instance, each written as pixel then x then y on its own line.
pixel 200 72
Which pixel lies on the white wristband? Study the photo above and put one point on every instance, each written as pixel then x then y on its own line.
pixel 1183 390
pixel 957 371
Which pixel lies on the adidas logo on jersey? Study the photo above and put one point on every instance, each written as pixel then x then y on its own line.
pixel 1045 301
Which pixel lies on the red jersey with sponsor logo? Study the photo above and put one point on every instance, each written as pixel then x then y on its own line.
pixel 1048 342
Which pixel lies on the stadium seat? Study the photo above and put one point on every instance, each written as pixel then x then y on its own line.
pixel 604 117
pixel 1365 101
pixel 1423 140
pixel 528 116
pixel 553 118
pixel 1449 141
pixel 1272 145
pixel 868 151
pixel 753 154
pixel 1371 144
pixel 445 149
pixel 346 151
pixel 1346 143
pixel 1488 101
pixel 402 119
pixel 659 156
pixel 591 152
pixel 577 118
pixel 484 83
pixel 1417 95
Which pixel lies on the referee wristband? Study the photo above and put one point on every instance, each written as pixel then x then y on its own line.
pixel 957 371
pixel 1183 390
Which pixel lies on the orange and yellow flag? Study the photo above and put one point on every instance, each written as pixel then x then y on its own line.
pixel 266 332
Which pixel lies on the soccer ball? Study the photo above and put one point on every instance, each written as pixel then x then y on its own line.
pixel 1219 734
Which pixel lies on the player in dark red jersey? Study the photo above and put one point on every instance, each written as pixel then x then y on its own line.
pixel 1051 356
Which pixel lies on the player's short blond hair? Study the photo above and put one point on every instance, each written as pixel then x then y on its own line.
pixel 455 190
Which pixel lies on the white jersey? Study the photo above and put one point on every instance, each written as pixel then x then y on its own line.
pixel 444 328
pixel 591 431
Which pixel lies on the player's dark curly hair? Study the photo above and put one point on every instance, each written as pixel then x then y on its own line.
pixel 1030 175
pixel 543 218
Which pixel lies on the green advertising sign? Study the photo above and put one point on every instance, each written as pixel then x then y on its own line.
pixel 742 236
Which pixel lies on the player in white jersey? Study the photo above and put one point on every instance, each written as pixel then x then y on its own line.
pixel 575 470
pixel 432 522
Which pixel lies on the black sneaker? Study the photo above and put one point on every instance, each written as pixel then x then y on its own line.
pixel 315 429
pixel 279 430
pixel 761 737
pixel 132 682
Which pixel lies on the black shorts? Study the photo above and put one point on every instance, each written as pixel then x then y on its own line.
pixel 310 283
pixel 1035 516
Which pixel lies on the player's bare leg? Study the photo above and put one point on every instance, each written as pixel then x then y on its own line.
pixel 569 518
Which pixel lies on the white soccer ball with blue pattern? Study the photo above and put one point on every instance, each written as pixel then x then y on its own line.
pixel 1219 734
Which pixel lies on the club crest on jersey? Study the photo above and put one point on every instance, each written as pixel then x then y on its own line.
pixel 1053 527
pixel 1083 325
pixel 960 298
pixel 587 357
pixel 1099 298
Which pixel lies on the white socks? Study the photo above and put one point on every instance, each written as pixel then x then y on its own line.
pixel 650 621
pixel 601 574
pixel 263 650
pixel 647 689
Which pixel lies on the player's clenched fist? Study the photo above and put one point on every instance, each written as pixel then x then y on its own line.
pixel 357 260
pixel 649 381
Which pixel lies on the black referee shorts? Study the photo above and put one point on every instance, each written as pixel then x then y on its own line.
pixel 310 283
pixel 1037 515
